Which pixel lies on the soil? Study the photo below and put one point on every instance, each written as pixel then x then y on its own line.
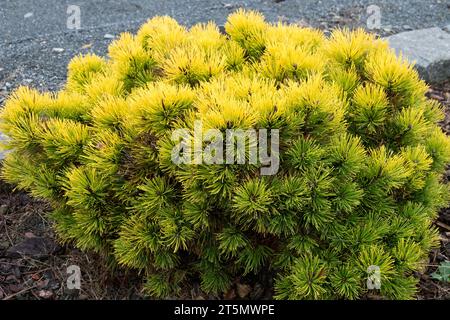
pixel 34 266
pixel 430 288
pixel 40 272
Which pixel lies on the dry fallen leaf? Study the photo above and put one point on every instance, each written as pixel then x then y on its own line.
pixel 230 294
pixel 35 277
pixel 243 290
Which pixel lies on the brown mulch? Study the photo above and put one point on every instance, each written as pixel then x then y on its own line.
pixel 42 272
pixel 38 269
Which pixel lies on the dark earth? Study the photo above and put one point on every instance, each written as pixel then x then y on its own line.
pixel 35 47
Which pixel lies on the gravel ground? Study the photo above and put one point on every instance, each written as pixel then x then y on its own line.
pixel 31 30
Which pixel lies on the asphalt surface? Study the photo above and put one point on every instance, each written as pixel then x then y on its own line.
pixel 36 45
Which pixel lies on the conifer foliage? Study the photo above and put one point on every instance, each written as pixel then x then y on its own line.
pixel 361 158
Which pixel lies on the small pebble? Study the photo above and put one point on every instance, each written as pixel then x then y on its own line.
pixel 109 36
pixel 17 272
pixel 59 50
pixel 4 245
pixel 28 15
pixel 54 285
pixel 29 235
pixel 45 294
pixel 86 46
pixel 3 209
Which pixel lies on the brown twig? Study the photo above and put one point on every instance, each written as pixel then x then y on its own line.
pixel 19 292
pixel 442 225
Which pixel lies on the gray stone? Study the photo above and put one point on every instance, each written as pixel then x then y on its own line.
pixel 4 245
pixel 36 247
pixel 3 209
pixel 387 28
pixel 2 153
pixel 428 48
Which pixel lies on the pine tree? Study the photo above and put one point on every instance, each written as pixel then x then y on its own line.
pixel 361 158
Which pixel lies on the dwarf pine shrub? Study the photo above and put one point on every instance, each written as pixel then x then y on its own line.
pixel 358 182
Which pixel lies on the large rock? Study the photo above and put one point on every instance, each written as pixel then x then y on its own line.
pixel 428 48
